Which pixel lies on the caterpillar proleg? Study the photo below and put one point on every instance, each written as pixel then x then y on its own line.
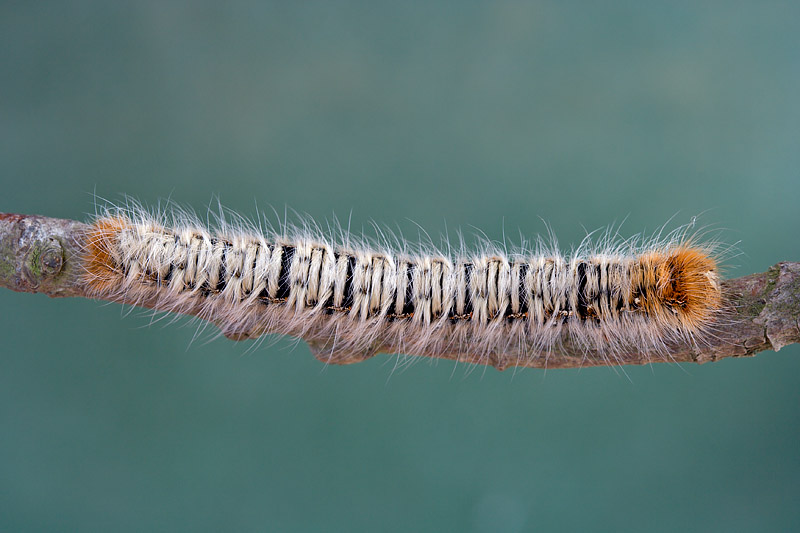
pixel 349 302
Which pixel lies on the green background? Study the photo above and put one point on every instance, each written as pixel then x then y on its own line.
pixel 447 115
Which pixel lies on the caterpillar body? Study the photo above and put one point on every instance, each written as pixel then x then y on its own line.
pixel 351 302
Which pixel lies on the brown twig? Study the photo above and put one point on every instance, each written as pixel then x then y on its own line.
pixel 41 254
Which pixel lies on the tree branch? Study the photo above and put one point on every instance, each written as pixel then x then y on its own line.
pixel 40 254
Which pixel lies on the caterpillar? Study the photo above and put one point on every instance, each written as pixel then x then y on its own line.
pixel 349 302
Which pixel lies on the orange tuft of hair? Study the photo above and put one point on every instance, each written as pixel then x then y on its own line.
pixel 102 274
pixel 682 282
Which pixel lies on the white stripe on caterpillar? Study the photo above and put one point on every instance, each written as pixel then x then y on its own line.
pixel 350 303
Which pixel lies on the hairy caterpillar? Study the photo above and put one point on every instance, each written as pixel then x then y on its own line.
pixel 351 302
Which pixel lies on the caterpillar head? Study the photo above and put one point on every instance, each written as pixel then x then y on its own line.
pixel 689 285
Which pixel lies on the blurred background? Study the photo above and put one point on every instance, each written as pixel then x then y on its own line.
pixel 453 115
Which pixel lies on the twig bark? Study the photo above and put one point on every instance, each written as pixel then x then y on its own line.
pixel 41 254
